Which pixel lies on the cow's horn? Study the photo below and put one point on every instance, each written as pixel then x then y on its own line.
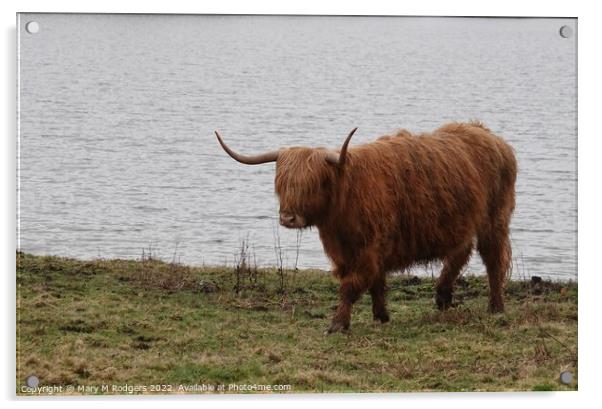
pixel 339 158
pixel 248 160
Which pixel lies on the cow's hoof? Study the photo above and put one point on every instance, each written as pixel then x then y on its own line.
pixel 336 326
pixel 382 317
pixel 443 299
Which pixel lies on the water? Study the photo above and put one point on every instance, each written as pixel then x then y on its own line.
pixel 117 114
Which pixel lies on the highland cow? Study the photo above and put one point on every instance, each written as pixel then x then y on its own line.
pixel 398 201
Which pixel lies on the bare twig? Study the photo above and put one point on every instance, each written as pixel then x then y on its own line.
pixel 241 266
pixel 279 259
pixel 297 250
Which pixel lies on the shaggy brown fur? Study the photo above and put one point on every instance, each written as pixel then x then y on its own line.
pixel 402 200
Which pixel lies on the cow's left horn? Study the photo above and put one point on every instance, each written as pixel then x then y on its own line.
pixel 248 160
pixel 339 158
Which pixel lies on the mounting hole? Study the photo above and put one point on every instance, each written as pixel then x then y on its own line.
pixel 32 27
pixel 566 377
pixel 566 31
pixel 32 381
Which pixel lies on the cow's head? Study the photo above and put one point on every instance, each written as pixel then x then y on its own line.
pixel 305 179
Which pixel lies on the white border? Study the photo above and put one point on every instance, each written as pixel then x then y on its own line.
pixel 589 192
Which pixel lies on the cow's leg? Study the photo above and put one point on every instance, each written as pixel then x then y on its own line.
pixel 355 280
pixel 452 266
pixel 352 287
pixel 377 292
pixel 496 253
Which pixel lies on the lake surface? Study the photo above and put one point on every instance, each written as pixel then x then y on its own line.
pixel 117 114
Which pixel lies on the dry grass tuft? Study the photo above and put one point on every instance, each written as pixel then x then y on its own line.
pixel 172 277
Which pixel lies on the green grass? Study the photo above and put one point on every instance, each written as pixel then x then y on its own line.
pixel 118 322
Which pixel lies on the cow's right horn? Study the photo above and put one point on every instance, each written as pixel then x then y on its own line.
pixel 248 160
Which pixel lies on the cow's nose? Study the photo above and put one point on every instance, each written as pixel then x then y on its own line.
pixel 286 219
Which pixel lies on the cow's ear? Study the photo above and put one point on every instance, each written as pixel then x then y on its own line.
pixel 332 157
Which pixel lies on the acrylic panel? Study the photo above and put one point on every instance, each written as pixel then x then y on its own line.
pixel 149 261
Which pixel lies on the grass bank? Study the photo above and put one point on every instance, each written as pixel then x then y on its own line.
pixel 128 324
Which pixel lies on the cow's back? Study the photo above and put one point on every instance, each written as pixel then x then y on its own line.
pixel 419 197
